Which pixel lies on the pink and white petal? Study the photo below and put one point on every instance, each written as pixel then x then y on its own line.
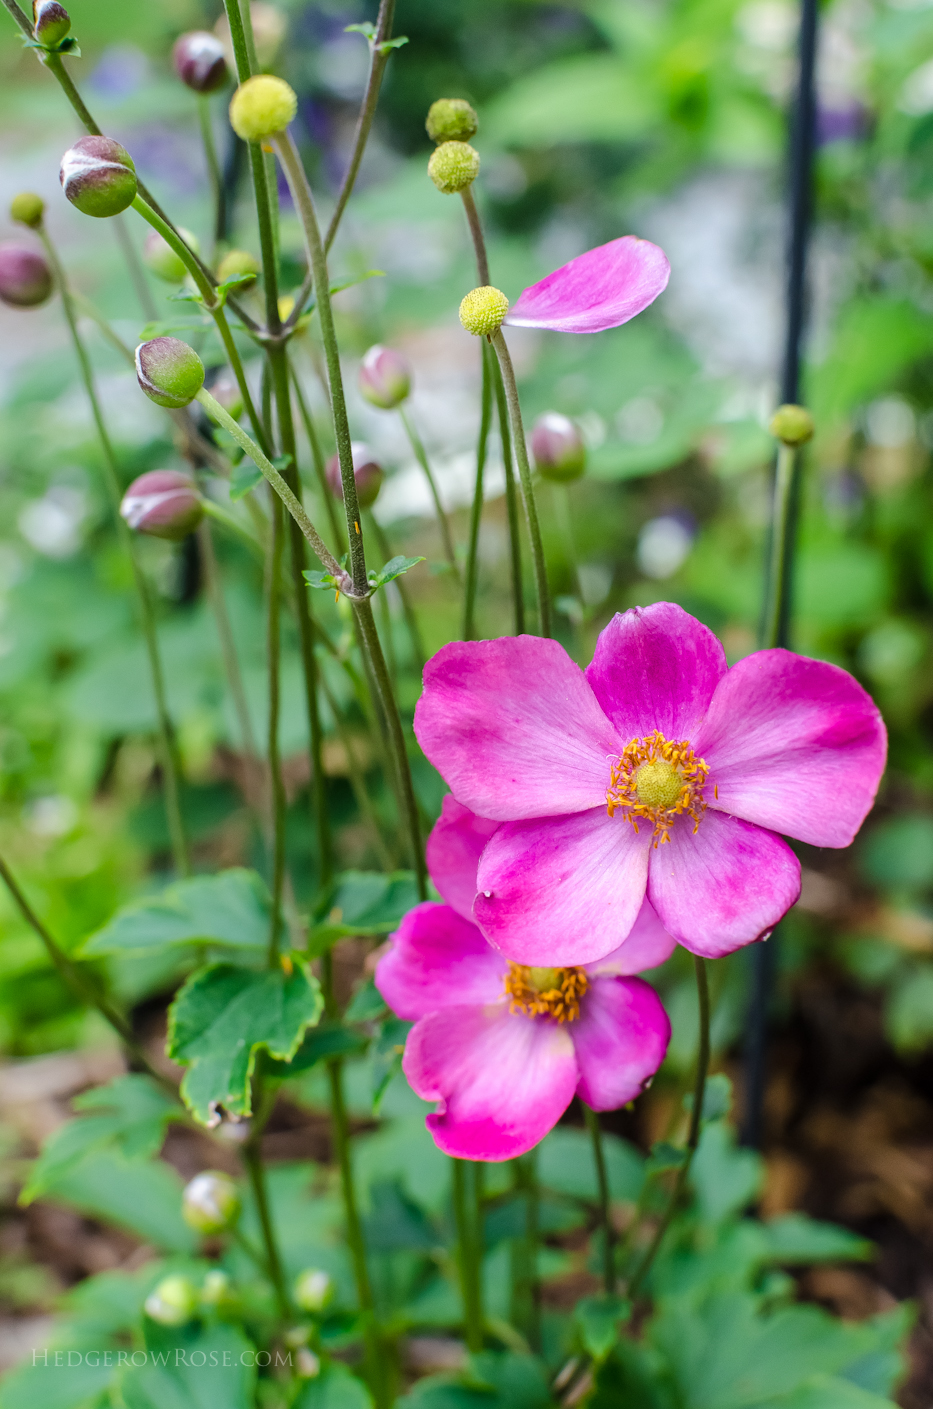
pixel 453 851
pixel 620 1040
pixel 561 890
pixel 514 729
pixel 795 745
pixel 648 944
pixel 437 959
pixel 724 886
pixel 502 1080
pixel 656 668
pixel 600 289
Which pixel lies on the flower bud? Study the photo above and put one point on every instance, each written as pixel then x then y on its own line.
pixel 239 262
pixel 313 1289
pixel 558 448
pixel 173 1302
pixel 792 424
pixel 169 371
pixel 307 1364
pixel 262 106
pixel 217 1290
pixel 25 277
pixel 98 176
pixel 451 120
pixel 211 1202
pixel 162 259
pixel 366 471
pixel 51 22
pixel 385 377
pixel 164 504
pixel 27 209
pixel 199 61
pixel 453 167
pixel 483 310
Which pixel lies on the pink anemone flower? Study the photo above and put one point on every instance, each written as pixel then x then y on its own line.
pixel 503 1048
pixel 657 770
pixel 600 289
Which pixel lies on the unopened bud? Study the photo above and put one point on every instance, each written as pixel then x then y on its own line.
pixel 162 259
pixel 385 377
pixel 27 209
pixel 792 424
pixel 217 1290
pixel 314 1289
pixel 173 1302
pixel 307 1364
pixel 169 371
pixel 51 22
pixel 98 176
pixel 453 167
pixel 366 471
pixel 262 106
pixel 199 61
pixel 25 277
pixel 165 504
pixel 558 448
pixel 238 262
pixel 451 120
pixel 483 310
pixel 211 1202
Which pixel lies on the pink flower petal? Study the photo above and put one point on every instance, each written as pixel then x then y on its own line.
pixel 647 945
pixel 561 890
pixel 620 1040
pixel 723 887
pixel 438 960
pixel 513 728
pixel 502 1080
pixel 656 668
pixel 597 290
pixel 795 745
pixel 453 851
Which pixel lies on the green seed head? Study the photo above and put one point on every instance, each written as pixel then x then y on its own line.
pixel 451 120
pixel 483 310
pixel 211 1203
pixel 792 424
pixel 453 167
pixel 314 1289
pixel 27 209
pixel 173 1302
pixel 261 107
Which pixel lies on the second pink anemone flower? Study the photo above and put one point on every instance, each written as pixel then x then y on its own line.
pixel 656 771
pixel 501 1047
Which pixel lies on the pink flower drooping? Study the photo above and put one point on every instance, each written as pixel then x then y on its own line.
pixel 600 289
pixel 656 771
pixel 503 1048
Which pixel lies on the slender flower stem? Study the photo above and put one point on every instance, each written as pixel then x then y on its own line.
pixel 411 621
pixel 135 266
pixel 524 474
pixel 477 236
pixel 605 1203
pixel 276 784
pixel 263 1101
pixel 526 1311
pixel 357 780
pixel 421 455
pixel 320 465
pixel 562 514
pixel 780 562
pixel 464 1214
pixel 213 165
pixel 476 511
pixel 511 501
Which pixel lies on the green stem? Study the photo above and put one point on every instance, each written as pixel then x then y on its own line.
pixel 408 610
pixel 477 236
pixel 213 165
pixel 605 1205
pixel 476 512
pixel 564 519
pixel 780 562
pixel 464 1214
pixel 511 502
pixel 135 266
pixel 357 780
pixel 277 786
pixel 421 456
pixel 227 644
pixel 320 464
pixel 252 1158
pixel 526 1310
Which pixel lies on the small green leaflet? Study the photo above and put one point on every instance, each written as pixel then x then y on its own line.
pixel 393 569
pixel 368 30
pixel 599 1319
pixel 165 327
pixel 363 903
pixel 230 909
pixel 243 477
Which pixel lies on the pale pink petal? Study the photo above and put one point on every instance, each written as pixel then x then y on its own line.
pixel 437 959
pixel 561 890
pixel 514 729
pixel 724 886
pixel 453 851
pixel 795 745
pixel 656 668
pixel 647 945
pixel 502 1080
pixel 620 1040
pixel 597 290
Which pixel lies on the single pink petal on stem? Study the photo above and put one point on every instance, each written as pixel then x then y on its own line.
pixel 438 960
pixel 562 890
pixel 656 668
pixel 514 729
pixel 453 851
pixel 647 945
pixel 620 1040
pixel 502 1080
pixel 723 887
pixel 597 290
pixel 795 745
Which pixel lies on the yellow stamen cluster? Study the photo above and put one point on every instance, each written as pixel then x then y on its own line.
pixel 655 780
pixel 552 993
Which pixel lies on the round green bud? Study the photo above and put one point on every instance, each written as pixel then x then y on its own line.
pixel 217 1290
pixel 162 259
pixel 307 1364
pixel 792 424
pixel 51 22
pixel 313 1290
pixel 169 371
pixel 453 167
pixel 173 1302
pixel 239 262
pixel 451 120
pixel 27 209
pixel 262 106
pixel 98 176
pixel 483 310
pixel 210 1203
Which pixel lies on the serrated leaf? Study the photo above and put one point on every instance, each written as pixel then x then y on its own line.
pixel 366 1004
pixel 143 1196
pixel 724 1177
pixel 328 1040
pixel 829 1392
pixel 229 909
pixel 223 1017
pixel 192 1367
pixel 320 581
pixel 795 1238
pixel 366 903
pixel 393 569
pixel 600 1319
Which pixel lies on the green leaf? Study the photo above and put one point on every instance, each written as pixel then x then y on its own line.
pixel 141 1196
pixel 367 28
pixel 724 1178
pixel 394 568
pixel 229 909
pixel 898 854
pixel 717 1097
pixel 366 1004
pixel 795 1238
pixel 565 1164
pixel 520 1381
pixel 62 1386
pixel 321 581
pixel 664 1156
pixel 585 98
pixel 828 1392
pixel 388 1050
pixel 599 1319
pixel 244 477
pixel 328 1040
pixel 335 1388
pixel 365 903
pixel 193 1368
pixel 389 44
pixel 166 327
pixel 396 1221
pixel 909 1009
pixel 223 1017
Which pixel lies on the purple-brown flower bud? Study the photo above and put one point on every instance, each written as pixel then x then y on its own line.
pixel 51 22
pixel 366 471
pixel 25 277
pixel 558 448
pixel 169 371
pixel 98 176
pixel 164 504
pixel 385 377
pixel 199 61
